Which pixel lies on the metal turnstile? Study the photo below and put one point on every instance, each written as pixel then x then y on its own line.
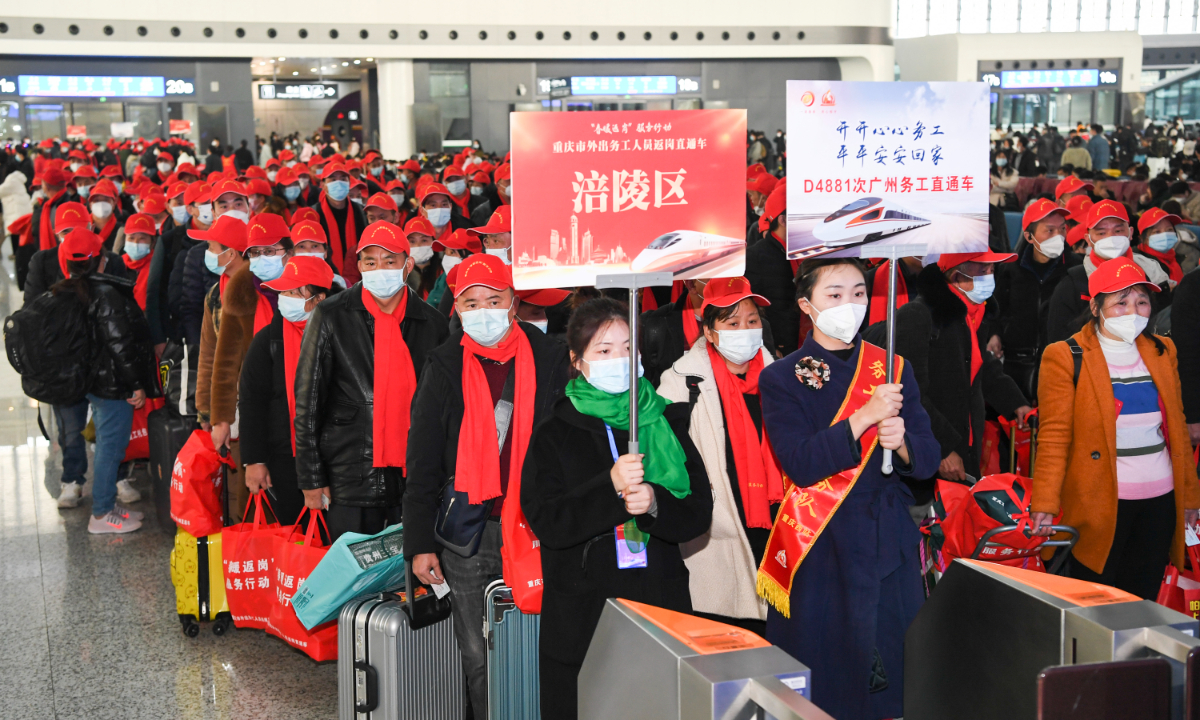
pixel 978 645
pixel 646 662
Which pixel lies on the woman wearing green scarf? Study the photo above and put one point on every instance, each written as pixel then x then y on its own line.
pixel 607 529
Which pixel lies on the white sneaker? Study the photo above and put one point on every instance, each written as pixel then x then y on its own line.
pixel 128 513
pixel 112 523
pixel 127 493
pixel 70 495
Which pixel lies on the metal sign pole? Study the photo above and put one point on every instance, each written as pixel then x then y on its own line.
pixel 634 282
pixel 892 253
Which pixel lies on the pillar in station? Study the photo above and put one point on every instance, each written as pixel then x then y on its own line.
pixel 396 97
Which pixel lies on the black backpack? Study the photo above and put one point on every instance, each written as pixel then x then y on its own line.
pixel 48 344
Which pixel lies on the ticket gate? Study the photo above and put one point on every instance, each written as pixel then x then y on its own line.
pixel 978 645
pixel 646 662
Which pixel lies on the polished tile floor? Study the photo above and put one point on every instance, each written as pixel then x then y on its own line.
pixel 88 627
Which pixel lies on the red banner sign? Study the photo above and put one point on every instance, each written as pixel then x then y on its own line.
pixel 627 192
pixel 76 132
pixel 179 127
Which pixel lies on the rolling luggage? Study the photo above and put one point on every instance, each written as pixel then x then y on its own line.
pixel 398 659
pixel 199 583
pixel 512 657
pixel 167 433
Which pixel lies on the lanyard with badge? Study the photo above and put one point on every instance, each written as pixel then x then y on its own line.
pixel 631 541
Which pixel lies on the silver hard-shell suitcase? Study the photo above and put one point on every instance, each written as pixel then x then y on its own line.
pixel 512 657
pixel 387 670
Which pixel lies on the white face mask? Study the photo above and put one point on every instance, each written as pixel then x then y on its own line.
pixel 611 376
pixel 84 191
pixel 841 322
pixel 75 166
pixel 383 283
pixel 982 289
pixel 438 217
pixel 179 214
pixel 448 262
pixel 303 181
pixel 487 325
pixel 739 346
pixel 267 268
pixel 398 199
pixel 101 210
pixel 543 325
pixel 1053 247
pixel 271 175
pixel 239 214
pixel 292 309
pixel 357 201
pixel 212 262
pixel 457 187
pixel 476 190
pixel 1113 246
pixel 1127 327
pixel 164 168
pixel 501 253
pixel 422 254
pixel 205 213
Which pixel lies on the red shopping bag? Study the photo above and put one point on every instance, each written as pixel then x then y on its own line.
pixel 994 501
pixel 248 553
pixel 196 481
pixel 1024 441
pixel 139 437
pixel 294 560
pixel 1180 589
pixel 989 454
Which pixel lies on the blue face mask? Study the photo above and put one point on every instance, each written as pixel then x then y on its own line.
pixel 383 283
pixel 84 190
pixel 438 217
pixel 137 251
pixel 292 309
pixel 337 189
pixel 291 192
pixel 267 268
pixel 985 285
pixel 180 214
pixel 611 376
pixel 1163 242
pixel 210 261
pixel 486 326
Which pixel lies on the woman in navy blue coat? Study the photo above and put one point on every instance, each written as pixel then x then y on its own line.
pixel 858 585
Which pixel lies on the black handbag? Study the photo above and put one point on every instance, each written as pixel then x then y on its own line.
pixel 459 525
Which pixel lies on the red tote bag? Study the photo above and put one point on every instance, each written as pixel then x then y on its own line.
pixel 196 481
pixel 294 560
pixel 248 555
pixel 139 437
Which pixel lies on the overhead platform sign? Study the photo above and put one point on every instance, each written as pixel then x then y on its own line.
pixel 887 163
pixel 610 193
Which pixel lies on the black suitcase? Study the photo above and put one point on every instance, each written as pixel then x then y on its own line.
pixel 167 433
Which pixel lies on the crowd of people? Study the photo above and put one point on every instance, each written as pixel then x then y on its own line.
pixel 361 349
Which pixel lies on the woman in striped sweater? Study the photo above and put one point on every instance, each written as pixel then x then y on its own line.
pixel 1114 455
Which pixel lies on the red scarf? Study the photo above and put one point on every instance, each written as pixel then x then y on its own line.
pixel 107 231
pixel 46 237
pixel 293 333
pixel 879 292
pixel 142 268
pixel 395 383
pixel 760 480
pixel 344 253
pixel 974 320
pixel 649 302
pixel 462 204
pixel 263 312
pixel 795 263
pixel 1168 258
pixel 447 231
pixel 478 468
pixel 691 328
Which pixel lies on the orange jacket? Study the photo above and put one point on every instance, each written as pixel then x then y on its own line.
pixel 1076 465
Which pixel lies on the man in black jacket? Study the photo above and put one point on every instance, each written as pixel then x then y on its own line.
pixel 46 268
pixel 772 275
pixel 495 371
pixel 339 402
pixel 938 334
pixel 1185 331
pixel 1024 289
pixel 342 220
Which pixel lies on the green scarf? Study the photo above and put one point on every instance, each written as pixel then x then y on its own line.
pixel 664 458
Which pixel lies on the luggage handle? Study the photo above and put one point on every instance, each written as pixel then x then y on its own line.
pixel 430 610
pixel 1060 558
pixel 372 687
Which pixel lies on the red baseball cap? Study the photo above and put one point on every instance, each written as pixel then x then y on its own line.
pixel 452 171
pixel 499 222
pixel 225 187
pixel 1041 209
pixel 55 177
pixel 308 230
pixel 1078 206
pixel 1149 219
pixel 546 297
pixel 71 215
pixel 103 188
pixel 396 184
pixel 228 231
pixel 724 292
pixel 435 188
pixel 481 178
pixel 256 172
pixel 763 183
pixel 331 168
pixel 154 204
pixel 87 171
pixel 186 168
pixel 1077 235
pixel 420 225
pixel 305 214
pixel 1069 184
pixel 301 271
pixel 274 162
pixel 776 204
pixel 140 223
pixel 259 186
pixel 266 229
pixel 198 193
pixel 383 201
pixel 1113 276
pixel 286 176
pixel 111 171
pixel 385 235
pixel 177 188
pixel 286 155
pixel 950 260
pixel 1105 209
pixel 755 170
pixel 460 239
pixel 80 244
pixel 504 172
pixel 487 270
pixel 166 156
pixel 411 166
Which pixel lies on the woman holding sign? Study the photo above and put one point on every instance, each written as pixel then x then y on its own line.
pixel 610 523
pixel 841 569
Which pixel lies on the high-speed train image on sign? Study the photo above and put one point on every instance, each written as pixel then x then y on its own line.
pixel 866 220
pixel 681 250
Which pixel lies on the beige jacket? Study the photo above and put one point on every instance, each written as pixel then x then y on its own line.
pixel 720 562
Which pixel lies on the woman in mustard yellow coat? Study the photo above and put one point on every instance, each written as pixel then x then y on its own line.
pixel 1113 453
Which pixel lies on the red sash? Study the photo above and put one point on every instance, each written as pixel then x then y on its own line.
pixel 807 510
